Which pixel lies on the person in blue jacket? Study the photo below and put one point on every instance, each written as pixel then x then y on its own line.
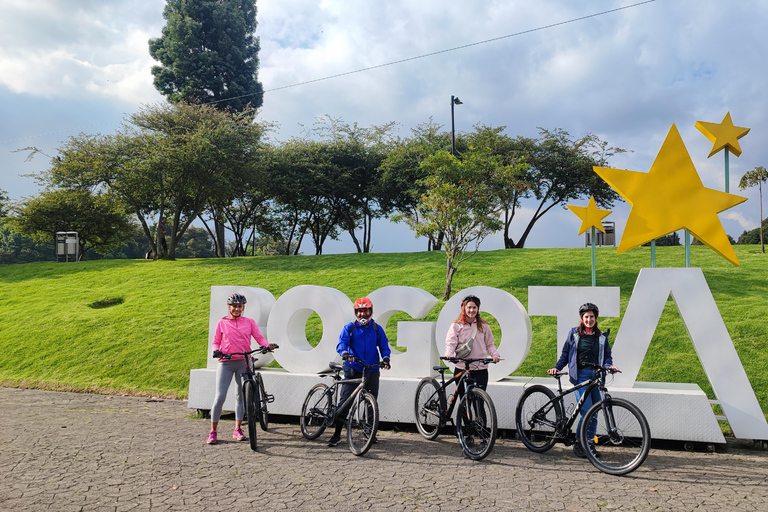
pixel 364 340
pixel 585 345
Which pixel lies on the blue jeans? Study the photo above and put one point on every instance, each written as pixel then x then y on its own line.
pixel 584 375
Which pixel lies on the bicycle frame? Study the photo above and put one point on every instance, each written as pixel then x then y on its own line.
pixel 463 379
pixel 564 430
pixel 335 389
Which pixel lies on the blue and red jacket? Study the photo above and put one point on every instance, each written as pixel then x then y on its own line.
pixel 365 342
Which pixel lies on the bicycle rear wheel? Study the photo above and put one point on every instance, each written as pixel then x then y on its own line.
pixel 429 407
pixel 362 423
pixel 263 400
pixel 476 424
pixel 249 392
pixel 537 417
pixel 315 410
pixel 622 439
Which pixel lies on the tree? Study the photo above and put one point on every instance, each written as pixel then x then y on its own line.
pixel 357 152
pixel 756 176
pixel 170 161
pixel 101 221
pixel 462 200
pixel 401 175
pixel 4 204
pixel 209 54
pixel 504 147
pixel 561 170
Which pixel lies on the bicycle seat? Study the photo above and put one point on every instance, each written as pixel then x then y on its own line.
pixel 336 366
pixel 440 369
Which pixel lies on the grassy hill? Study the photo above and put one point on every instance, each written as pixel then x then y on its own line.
pixel 155 331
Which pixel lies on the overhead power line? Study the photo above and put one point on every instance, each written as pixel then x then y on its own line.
pixel 439 52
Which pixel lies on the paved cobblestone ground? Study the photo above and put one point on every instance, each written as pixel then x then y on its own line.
pixel 78 452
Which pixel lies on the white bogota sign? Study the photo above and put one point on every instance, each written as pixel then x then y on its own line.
pixel 675 411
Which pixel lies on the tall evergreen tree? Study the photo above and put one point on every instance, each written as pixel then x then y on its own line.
pixel 209 54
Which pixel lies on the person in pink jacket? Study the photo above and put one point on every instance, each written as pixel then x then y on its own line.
pixel 467 325
pixel 233 334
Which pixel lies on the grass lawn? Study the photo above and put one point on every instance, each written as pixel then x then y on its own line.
pixel 138 327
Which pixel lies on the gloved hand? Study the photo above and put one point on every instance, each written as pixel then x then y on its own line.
pixel 387 366
pixel 218 354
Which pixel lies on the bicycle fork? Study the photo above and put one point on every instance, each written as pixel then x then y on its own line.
pixel 614 436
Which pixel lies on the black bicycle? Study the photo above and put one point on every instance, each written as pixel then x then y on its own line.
pixel 622 437
pixel 254 394
pixel 476 415
pixel 320 409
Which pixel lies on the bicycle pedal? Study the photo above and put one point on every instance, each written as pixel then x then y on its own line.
pixel 270 399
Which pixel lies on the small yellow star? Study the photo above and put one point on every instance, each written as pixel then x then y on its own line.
pixel 590 216
pixel 671 197
pixel 723 134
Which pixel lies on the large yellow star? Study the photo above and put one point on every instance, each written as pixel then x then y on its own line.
pixel 590 216
pixel 723 134
pixel 671 197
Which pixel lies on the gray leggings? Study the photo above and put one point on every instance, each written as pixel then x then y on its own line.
pixel 224 373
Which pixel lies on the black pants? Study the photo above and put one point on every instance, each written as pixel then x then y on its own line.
pixel 371 386
pixel 480 376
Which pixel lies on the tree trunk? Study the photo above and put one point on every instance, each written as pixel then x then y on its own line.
pixel 221 244
pixel 450 269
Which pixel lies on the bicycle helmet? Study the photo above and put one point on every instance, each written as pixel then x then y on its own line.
pixel 236 298
pixel 588 307
pixel 471 298
pixel 364 303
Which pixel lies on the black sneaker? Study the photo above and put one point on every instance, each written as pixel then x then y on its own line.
pixel 579 451
pixel 334 440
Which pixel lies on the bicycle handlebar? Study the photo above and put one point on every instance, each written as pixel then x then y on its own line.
pixel 261 350
pixel 454 360
pixel 595 367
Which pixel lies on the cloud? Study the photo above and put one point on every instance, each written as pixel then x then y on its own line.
pixel 70 49
pixel 627 76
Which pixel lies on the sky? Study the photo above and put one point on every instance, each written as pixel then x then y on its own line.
pixel 623 70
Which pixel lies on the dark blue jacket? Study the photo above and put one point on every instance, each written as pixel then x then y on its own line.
pixel 568 355
pixel 365 342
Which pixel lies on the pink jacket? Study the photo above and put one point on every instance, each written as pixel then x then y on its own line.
pixel 234 335
pixel 483 346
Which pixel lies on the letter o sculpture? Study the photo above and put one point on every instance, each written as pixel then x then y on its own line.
pixel 516 331
pixel 287 327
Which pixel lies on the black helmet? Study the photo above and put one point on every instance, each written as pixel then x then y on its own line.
pixel 236 298
pixel 471 298
pixel 588 306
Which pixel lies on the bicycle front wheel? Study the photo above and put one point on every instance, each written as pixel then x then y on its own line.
pixel 622 437
pixel 537 417
pixel 317 406
pixel 429 408
pixel 476 424
pixel 249 392
pixel 263 412
pixel 362 423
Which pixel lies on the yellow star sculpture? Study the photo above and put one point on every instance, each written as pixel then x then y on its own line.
pixel 671 197
pixel 590 216
pixel 723 134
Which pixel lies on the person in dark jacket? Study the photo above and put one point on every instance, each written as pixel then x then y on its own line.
pixel 366 341
pixel 585 345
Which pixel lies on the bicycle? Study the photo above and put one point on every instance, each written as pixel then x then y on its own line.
pixel 320 410
pixel 254 394
pixel 622 434
pixel 476 416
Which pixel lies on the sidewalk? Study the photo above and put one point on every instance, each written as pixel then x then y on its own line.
pixel 77 452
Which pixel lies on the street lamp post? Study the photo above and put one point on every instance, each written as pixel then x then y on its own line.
pixel 454 101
